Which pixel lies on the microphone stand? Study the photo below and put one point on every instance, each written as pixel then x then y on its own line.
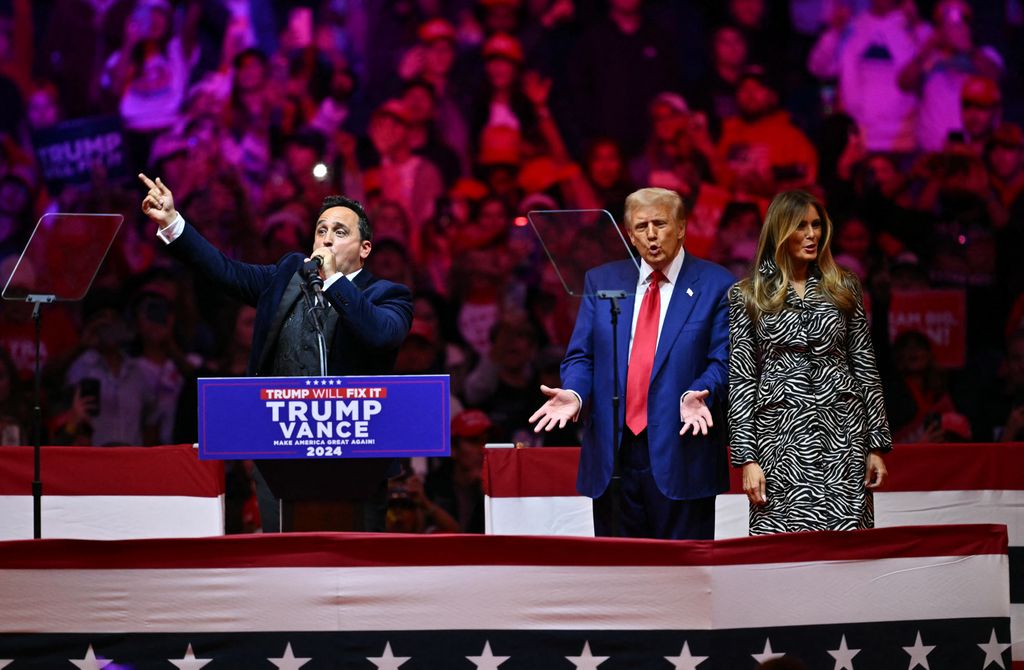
pixel 615 486
pixel 37 419
pixel 312 291
pixel 315 309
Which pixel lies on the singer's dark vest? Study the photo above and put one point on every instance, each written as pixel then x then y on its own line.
pixel 295 351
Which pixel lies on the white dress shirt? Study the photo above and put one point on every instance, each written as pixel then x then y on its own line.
pixel 665 293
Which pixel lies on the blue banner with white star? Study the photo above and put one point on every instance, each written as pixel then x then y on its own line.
pixel 884 599
pixel 324 417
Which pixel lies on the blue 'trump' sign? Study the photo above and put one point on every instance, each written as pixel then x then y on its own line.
pixel 324 417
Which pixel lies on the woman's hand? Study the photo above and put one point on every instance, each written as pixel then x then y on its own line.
pixel 875 473
pixel 753 484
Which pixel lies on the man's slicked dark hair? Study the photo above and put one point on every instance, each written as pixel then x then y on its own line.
pixel 365 231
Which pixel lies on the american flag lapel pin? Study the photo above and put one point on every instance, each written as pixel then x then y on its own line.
pixel 689 292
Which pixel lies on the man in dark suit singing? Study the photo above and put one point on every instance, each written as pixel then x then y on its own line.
pixel 672 362
pixel 364 319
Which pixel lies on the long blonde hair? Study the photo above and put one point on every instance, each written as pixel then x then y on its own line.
pixel 765 289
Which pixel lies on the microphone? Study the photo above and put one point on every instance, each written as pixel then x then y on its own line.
pixel 311 273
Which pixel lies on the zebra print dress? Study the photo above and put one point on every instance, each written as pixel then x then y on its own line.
pixel 806 404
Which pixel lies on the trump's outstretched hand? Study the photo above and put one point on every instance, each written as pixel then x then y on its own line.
pixel 159 202
pixel 694 413
pixel 562 406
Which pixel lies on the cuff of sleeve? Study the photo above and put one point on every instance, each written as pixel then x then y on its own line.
pixel 578 400
pixel 739 460
pixel 708 402
pixel 172 231
pixel 742 449
pixel 879 442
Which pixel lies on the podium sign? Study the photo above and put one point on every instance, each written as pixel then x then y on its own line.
pixel 324 417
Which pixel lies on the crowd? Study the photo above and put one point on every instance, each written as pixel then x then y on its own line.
pixel 451 120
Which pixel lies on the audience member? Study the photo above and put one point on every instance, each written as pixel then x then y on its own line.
pixel 1001 416
pixel 456 485
pixel 433 59
pixel 501 101
pixel 866 54
pixel 939 68
pixel 621 62
pixel 121 406
pixel 765 151
pixel 605 169
pixel 668 116
pixel 406 178
pixel 420 101
pixel 15 414
pixel 716 93
pixel 43 105
pixel 159 355
pixel 980 111
pixel 504 383
pixel 1004 155
pixel 148 75
pixel 917 402
pixel 411 511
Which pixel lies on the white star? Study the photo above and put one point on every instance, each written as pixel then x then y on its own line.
pixel 486 660
pixel 90 662
pixel 190 662
pixel 308 382
pixel 994 651
pixel 843 655
pixel 918 654
pixel 767 654
pixel 586 660
pixel 388 661
pixel 316 382
pixel 288 661
pixel 685 660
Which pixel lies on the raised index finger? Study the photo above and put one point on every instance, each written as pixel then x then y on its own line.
pixel 147 181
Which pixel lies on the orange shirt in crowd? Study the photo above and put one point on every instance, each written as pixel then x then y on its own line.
pixel 775 135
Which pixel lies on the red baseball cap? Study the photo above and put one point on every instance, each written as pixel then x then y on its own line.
pixel 436 29
pixel 503 46
pixel 470 423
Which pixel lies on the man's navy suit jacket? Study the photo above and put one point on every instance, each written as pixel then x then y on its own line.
pixel 692 354
pixel 374 315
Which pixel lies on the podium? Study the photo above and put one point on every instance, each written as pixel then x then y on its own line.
pixel 327 495
pixel 324 447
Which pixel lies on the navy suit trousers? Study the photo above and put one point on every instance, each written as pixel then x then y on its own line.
pixel 644 510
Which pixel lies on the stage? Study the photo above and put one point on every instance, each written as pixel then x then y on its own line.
pixel 908 595
pixel 871 600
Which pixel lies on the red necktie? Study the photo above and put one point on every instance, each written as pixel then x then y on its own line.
pixel 641 358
